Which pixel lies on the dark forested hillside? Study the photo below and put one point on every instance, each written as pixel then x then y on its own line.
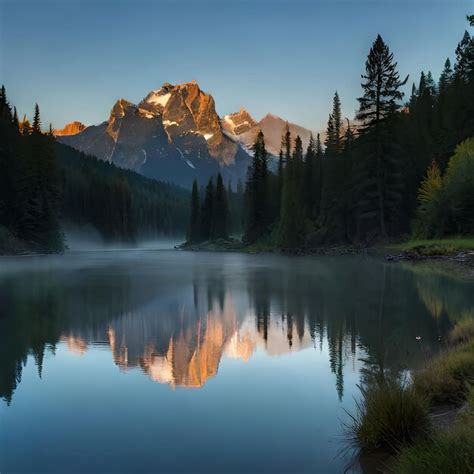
pixel 43 183
pixel 118 202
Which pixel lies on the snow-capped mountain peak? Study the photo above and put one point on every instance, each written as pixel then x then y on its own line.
pixel 242 128
pixel 173 134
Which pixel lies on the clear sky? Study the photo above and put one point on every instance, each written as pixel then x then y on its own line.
pixel 287 57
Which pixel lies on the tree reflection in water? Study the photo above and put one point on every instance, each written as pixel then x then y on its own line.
pixel 176 324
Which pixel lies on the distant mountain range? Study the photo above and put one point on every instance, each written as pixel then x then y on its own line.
pixel 174 134
pixel 243 129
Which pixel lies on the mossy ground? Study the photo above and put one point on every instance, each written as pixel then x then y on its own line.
pixel 435 247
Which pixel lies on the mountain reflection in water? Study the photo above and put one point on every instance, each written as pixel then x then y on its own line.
pixel 187 351
pixel 174 316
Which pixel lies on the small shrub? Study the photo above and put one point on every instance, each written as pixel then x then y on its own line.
pixel 446 202
pixel 389 416
pixel 444 452
pixel 451 451
pixel 444 380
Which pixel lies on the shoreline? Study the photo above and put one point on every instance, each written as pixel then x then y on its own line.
pixel 399 252
pixel 427 422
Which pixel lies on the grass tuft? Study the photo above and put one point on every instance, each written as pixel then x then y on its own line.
pixel 390 415
pixel 445 380
pixel 462 333
pixel 446 451
pixel 433 247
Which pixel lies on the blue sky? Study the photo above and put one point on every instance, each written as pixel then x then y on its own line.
pixel 287 57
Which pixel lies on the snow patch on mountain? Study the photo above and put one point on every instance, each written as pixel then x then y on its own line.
pixel 157 98
pixel 168 123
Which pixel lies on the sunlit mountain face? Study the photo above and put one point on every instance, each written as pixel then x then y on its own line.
pixel 175 322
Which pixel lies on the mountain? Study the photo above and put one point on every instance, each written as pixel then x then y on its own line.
pixel 174 134
pixel 72 128
pixel 243 129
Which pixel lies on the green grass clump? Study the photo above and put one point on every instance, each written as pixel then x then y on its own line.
pixel 390 415
pixel 450 451
pixel 463 332
pixel 395 416
pixel 446 378
pixel 432 247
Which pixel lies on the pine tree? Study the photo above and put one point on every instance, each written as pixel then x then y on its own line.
pixel 8 150
pixel 5 109
pixel 332 172
pixel 257 205
pixel 347 170
pixel 319 177
pixel 379 103
pixel 334 137
pixel 279 180
pixel 292 216
pixel 194 234
pixel 16 123
pixel 329 132
pixel 413 98
pixel 207 212
pixel 310 177
pixel 427 97
pixel 446 77
pixel 287 143
pixel 219 228
pixel 445 101
pixel 464 67
pixel 240 199
pixel 36 121
pixel 381 86
pixel 283 159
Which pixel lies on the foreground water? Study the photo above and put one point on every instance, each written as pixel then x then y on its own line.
pixel 166 361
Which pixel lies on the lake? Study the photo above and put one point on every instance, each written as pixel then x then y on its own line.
pixel 168 361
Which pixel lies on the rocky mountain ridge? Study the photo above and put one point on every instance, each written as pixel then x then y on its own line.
pixel 242 128
pixel 175 134
pixel 72 128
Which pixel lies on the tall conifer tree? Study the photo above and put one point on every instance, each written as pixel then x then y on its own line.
pixel 380 101
pixel 194 229
pixel 36 121
pixel 207 212
pixel 257 204
pixel 220 212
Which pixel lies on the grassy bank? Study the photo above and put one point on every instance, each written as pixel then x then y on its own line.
pixel 449 450
pixel 267 246
pixel 415 248
pixel 436 247
pixel 426 423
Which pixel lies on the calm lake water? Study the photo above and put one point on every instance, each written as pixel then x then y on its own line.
pixel 167 361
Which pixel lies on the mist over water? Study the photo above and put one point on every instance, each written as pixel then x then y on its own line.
pixel 159 360
pixel 87 238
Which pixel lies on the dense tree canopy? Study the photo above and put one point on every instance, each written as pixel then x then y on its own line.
pixel 44 183
pixel 365 185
